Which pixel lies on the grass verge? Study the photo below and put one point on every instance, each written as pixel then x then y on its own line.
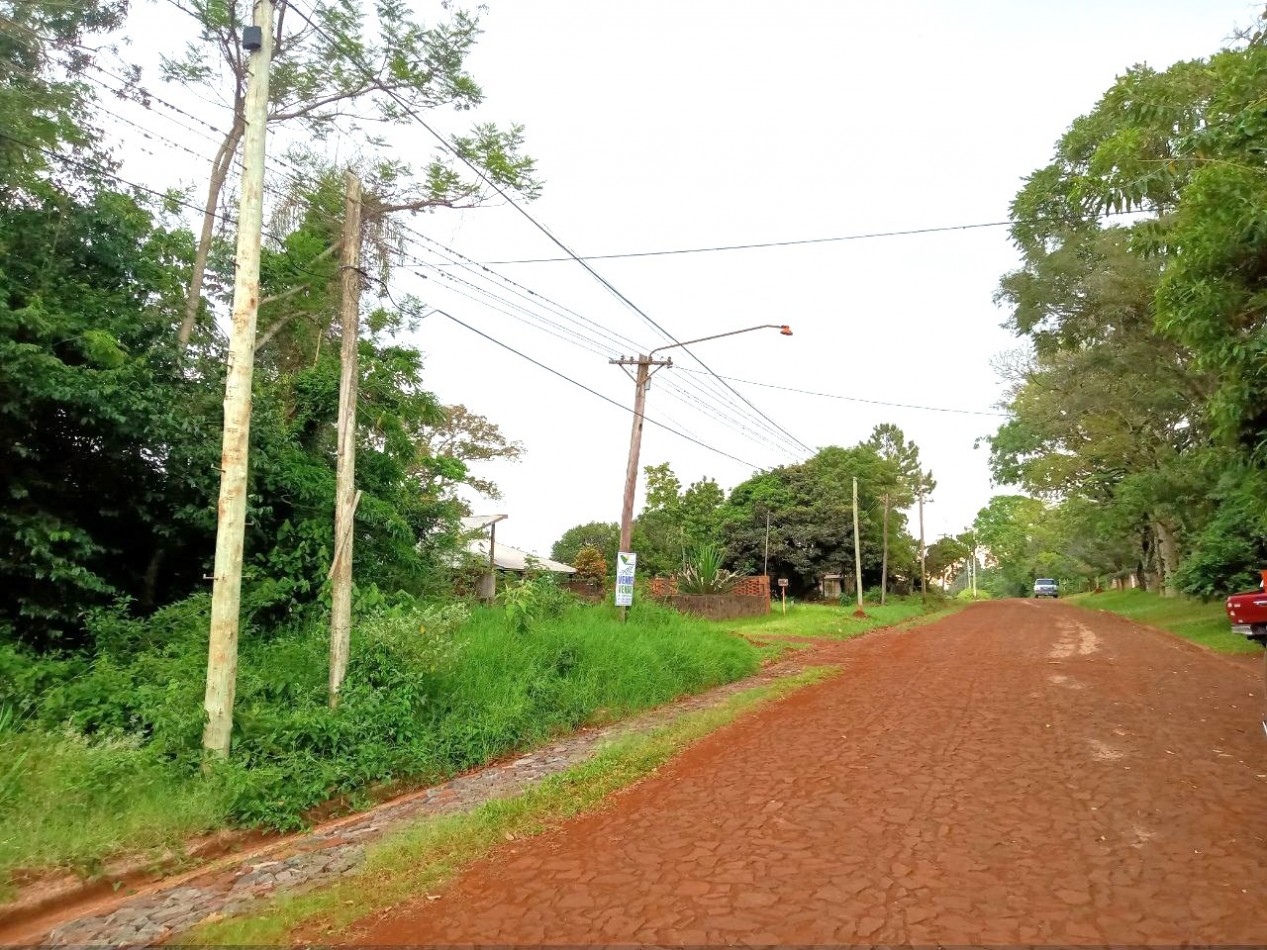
pixel 100 756
pixel 416 861
pixel 839 623
pixel 1202 623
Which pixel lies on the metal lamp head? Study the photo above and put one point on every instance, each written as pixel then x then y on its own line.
pixel 785 330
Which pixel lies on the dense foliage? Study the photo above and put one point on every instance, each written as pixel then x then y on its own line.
pixel 115 736
pixel 809 509
pixel 1140 400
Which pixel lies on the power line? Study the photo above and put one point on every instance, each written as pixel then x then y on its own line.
pixel 874 402
pixel 716 412
pixel 595 392
pixel 543 323
pixel 709 249
pixel 760 244
pixel 480 173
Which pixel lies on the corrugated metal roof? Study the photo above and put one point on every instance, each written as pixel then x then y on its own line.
pixel 513 559
pixel 475 522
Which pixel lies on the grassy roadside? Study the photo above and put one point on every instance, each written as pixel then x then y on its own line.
pixel 100 756
pixel 416 861
pixel 838 623
pixel 1204 624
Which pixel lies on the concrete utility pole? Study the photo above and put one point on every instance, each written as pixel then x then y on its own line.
pixel 857 547
pixel 226 592
pixel 345 493
pixel 765 569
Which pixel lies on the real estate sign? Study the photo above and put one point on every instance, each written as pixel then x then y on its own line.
pixel 625 566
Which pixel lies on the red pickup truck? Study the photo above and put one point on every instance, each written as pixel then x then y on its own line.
pixel 1248 612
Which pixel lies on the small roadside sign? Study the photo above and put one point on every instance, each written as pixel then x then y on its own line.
pixel 626 566
pixel 783 582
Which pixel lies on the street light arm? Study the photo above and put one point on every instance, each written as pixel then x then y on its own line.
pixel 781 327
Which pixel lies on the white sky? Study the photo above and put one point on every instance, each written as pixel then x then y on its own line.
pixel 666 125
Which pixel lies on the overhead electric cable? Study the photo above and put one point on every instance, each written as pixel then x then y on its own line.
pixel 874 402
pixel 595 392
pixel 766 244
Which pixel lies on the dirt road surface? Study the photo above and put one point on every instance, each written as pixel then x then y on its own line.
pixel 1017 773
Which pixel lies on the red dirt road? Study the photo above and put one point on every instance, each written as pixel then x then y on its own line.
pixel 1017 773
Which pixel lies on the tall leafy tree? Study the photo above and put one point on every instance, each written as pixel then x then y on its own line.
pixel 366 66
pixel 901 478
pixel 45 46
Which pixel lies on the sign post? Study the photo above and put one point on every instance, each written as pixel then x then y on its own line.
pixel 626 565
pixel 783 592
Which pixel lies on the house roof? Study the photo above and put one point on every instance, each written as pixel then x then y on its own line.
pixel 475 522
pixel 512 559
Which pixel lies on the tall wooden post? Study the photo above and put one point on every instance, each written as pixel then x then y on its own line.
pixel 345 490
pixel 635 447
pixel 642 382
pixel 226 591
pixel 857 547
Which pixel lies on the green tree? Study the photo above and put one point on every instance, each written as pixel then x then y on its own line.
pixel 44 98
pixel 603 535
pixel 102 453
pixel 365 68
pixel 900 479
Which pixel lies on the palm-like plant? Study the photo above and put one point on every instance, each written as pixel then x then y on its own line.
pixel 704 573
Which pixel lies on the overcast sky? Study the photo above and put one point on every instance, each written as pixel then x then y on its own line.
pixel 661 125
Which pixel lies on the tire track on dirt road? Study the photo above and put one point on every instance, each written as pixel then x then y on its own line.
pixel 946 788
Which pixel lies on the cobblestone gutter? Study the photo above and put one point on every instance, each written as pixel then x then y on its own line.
pixel 308 861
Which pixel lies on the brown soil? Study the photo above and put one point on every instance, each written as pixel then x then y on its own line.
pixel 1016 773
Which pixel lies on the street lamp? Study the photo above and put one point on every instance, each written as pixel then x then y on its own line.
pixel 648 366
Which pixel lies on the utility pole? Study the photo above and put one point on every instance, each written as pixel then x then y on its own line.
pixel 642 382
pixel 857 547
pixel 345 492
pixel 923 569
pixel 972 567
pixel 226 592
pixel 884 557
pixel 648 366
pixel 765 569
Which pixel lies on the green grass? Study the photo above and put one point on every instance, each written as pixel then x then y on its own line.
pixel 105 759
pixel 418 860
pixel 1202 623
pixel 836 622
pixel 66 801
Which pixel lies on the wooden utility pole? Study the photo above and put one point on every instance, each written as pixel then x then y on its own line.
pixel 642 382
pixel 857 547
pixel 345 491
pixel 923 570
pixel 226 592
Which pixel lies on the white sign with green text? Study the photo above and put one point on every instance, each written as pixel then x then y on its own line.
pixel 625 566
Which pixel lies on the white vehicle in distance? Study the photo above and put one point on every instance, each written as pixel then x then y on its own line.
pixel 1046 587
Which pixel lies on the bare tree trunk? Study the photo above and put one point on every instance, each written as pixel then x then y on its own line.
pixel 884 557
pixel 219 174
pixel 1167 557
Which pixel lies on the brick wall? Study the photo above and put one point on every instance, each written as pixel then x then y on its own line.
pixel 759 586
pixel 719 606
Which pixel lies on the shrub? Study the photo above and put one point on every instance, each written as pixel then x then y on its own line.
pixel 705 572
